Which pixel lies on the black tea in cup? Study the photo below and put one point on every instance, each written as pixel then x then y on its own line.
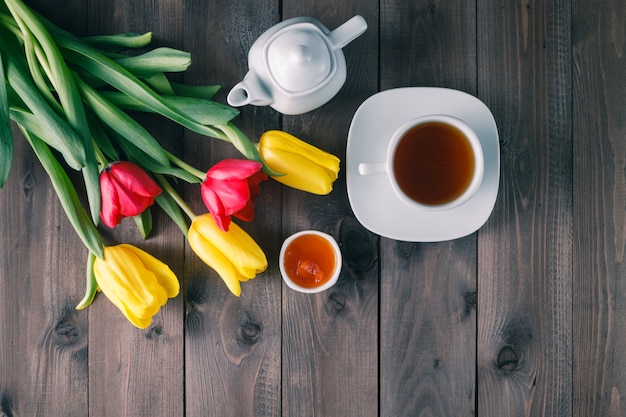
pixel 433 163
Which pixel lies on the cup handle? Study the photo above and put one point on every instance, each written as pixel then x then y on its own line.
pixel 372 168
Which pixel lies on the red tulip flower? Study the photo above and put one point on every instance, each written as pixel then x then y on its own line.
pixel 230 188
pixel 126 191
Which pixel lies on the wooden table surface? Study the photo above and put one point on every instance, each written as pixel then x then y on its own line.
pixel 525 317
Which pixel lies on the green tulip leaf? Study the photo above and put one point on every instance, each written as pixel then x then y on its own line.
pixel 100 137
pixel 144 223
pixel 196 91
pixel 156 61
pixel 169 206
pixel 61 136
pixel 160 83
pixel 91 176
pixel 67 196
pixel 6 134
pixel 48 130
pixel 203 111
pixel 118 77
pixel 120 41
pixel 30 46
pixel 138 157
pixel 29 122
pixel 55 65
pixel 122 123
pixel 91 287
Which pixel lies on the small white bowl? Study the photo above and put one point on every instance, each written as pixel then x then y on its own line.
pixel 336 271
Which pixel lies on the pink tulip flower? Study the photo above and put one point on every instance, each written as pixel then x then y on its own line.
pixel 230 189
pixel 126 191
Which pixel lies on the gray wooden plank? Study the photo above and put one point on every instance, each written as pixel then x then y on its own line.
pixel 43 359
pixel 233 345
pixel 132 371
pixel 428 290
pixel 43 342
pixel 525 251
pixel 330 339
pixel 599 118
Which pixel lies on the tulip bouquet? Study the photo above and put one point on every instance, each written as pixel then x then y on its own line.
pixel 70 98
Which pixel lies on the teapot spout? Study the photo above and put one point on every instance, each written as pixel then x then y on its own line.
pixel 347 32
pixel 250 90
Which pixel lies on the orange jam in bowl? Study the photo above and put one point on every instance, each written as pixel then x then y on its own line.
pixel 310 261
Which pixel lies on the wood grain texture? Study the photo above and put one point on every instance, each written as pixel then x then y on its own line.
pixel 523 318
pixel 599 289
pixel 525 252
pixel 428 43
pixel 424 361
pixel 424 358
pixel 43 358
pixel 43 348
pixel 330 339
pixel 140 372
pixel 233 349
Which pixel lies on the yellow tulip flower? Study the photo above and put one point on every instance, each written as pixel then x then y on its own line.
pixel 234 255
pixel 306 167
pixel 135 281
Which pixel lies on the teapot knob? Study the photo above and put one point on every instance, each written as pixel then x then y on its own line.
pixel 300 54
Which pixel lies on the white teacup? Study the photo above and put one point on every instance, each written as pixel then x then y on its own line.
pixel 433 162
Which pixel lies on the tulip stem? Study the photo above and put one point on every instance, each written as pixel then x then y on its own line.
pixel 175 196
pixel 102 160
pixel 182 164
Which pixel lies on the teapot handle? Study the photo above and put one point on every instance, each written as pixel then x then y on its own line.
pixel 347 32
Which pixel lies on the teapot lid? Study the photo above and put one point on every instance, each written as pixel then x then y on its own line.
pixel 299 57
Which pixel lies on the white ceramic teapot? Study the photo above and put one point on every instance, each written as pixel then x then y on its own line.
pixel 296 66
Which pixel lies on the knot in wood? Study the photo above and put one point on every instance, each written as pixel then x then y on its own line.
pixel 507 359
pixel 471 298
pixel 28 185
pixel 358 251
pixel 249 333
pixel 337 302
pixel 154 331
pixel 196 295
pixel 6 409
pixel 66 334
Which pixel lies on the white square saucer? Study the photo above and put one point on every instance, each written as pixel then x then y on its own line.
pixel 372 198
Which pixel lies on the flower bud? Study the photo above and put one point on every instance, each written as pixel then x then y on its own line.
pixel 305 167
pixel 126 192
pixel 234 255
pixel 230 188
pixel 135 281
